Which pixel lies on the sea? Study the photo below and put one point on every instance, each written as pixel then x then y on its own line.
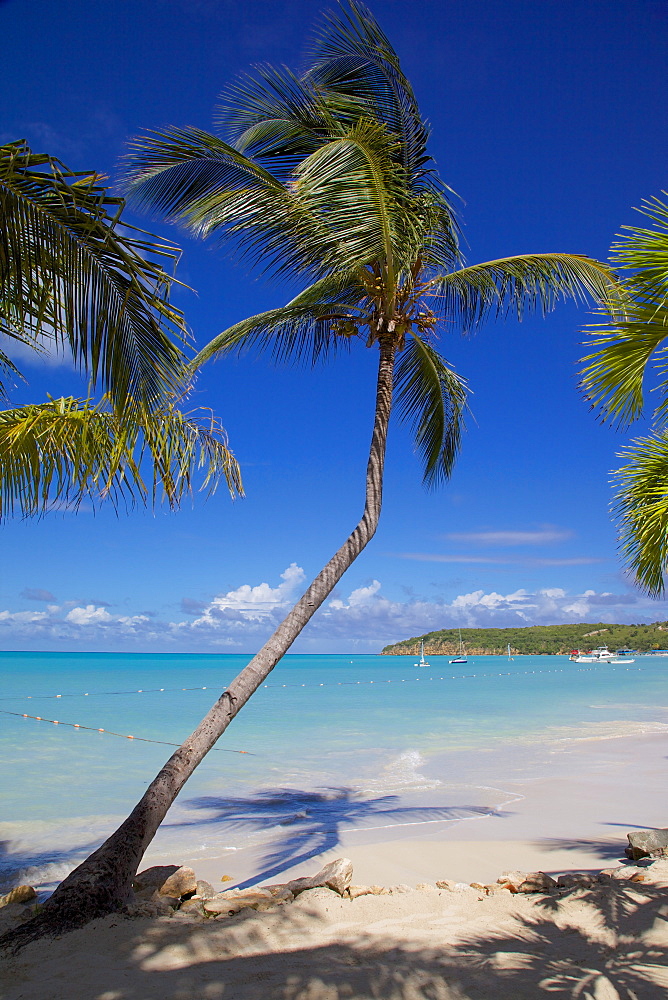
pixel 369 743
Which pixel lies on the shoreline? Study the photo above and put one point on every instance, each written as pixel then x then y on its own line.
pixel 418 940
pixel 572 816
pixel 573 821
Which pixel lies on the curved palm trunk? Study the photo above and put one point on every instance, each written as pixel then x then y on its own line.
pixel 102 883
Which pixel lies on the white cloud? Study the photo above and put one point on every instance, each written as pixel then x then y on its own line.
pixel 492 601
pixel 90 615
pixel 358 598
pixel 544 536
pixel 364 620
pixel 491 560
pixel 21 617
pixel 45 353
pixel 256 602
pixel 438 557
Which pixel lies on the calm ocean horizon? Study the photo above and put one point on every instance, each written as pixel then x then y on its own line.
pixel 387 742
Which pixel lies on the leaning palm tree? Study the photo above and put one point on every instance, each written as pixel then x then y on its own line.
pixel 72 277
pixel 632 347
pixel 326 178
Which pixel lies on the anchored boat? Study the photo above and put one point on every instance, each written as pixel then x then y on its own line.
pixel 599 655
pixel 461 655
pixel 423 662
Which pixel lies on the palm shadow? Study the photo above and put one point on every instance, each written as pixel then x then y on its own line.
pixel 535 952
pixel 311 822
pixel 618 953
pixel 606 850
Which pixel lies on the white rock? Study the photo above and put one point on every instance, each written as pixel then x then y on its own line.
pixel 20 894
pixel 336 876
pixel 168 880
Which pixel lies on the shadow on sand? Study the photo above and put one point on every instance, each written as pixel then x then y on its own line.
pixel 305 824
pixel 599 945
pixel 601 850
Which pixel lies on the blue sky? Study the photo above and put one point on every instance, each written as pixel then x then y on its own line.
pixel 549 121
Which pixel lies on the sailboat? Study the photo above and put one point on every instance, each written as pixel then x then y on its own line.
pixel 461 655
pixel 423 662
pixel 510 656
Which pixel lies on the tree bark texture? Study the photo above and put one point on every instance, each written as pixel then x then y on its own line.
pixel 102 883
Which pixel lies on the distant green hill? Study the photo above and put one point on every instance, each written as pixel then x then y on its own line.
pixel 536 639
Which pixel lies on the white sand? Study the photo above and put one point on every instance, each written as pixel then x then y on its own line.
pixel 575 823
pixel 421 945
pixel 605 944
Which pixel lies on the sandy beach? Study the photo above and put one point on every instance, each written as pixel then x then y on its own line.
pixel 605 943
pixel 409 946
pixel 576 820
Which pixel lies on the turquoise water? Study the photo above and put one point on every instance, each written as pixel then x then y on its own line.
pixel 370 726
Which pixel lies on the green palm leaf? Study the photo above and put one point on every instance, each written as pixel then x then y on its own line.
pixel 8 370
pixel 431 397
pixel 298 334
pixel 641 502
pixel 645 252
pixel 614 378
pixel 631 341
pixel 351 185
pixel 68 273
pixel 69 450
pixel 513 284
pixel 278 118
pixel 353 58
pixel 205 184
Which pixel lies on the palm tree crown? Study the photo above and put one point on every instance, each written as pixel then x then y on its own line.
pixel 326 176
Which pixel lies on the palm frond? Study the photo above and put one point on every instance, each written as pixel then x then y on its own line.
pixel 430 397
pixel 641 502
pixel 614 376
pixel 299 334
pixel 68 450
pixel 515 284
pixel 350 184
pixel 343 287
pixel 631 342
pixel 69 272
pixel 645 251
pixel 203 183
pixel 352 57
pixel 434 233
pixel 278 118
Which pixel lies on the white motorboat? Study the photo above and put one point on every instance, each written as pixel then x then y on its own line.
pixel 599 655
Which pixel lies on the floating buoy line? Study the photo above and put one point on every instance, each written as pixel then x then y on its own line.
pixel 145 739
pixel 452 677
pixel 402 680
pixel 109 732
